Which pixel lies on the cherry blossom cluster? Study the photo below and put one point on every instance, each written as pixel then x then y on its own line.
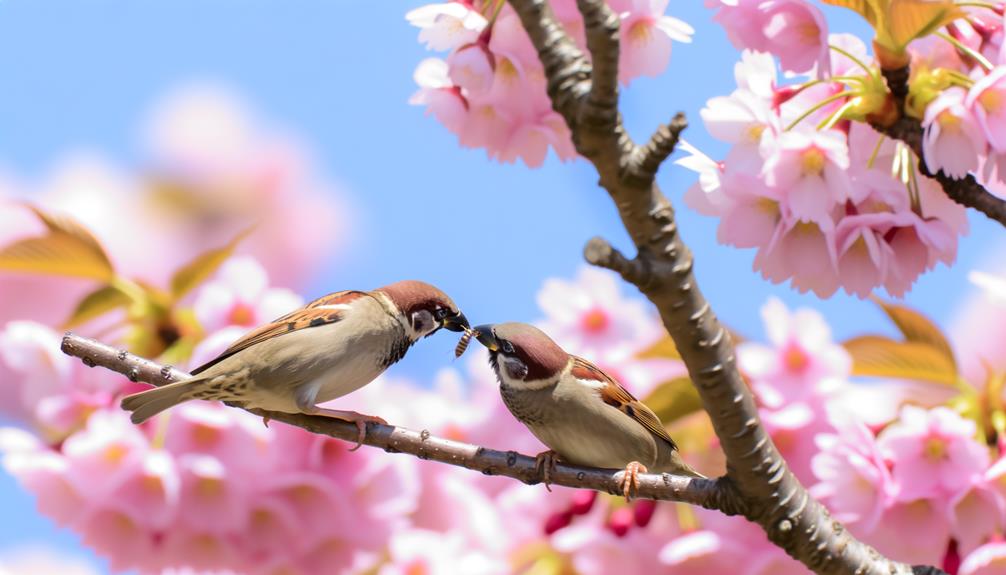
pixel 813 194
pixel 825 200
pixel 201 487
pixel 490 90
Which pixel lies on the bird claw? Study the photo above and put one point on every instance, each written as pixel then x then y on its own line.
pixel 359 419
pixel 361 422
pixel 544 465
pixel 265 421
pixel 630 481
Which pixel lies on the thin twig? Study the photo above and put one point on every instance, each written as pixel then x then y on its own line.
pixel 422 444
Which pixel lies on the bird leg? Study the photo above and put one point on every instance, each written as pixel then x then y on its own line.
pixel 630 481
pixel 544 464
pixel 359 419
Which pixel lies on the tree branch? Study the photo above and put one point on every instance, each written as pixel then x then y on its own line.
pixel 709 493
pixel 966 191
pixel 662 270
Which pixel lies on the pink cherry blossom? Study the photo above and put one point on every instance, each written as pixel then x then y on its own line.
pixel 435 553
pixel 792 30
pixel 591 317
pixel 987 101
pixel 952 141
pixel 924 521
pixel 239 295
pixel 471 69
pixel 440 97
pixel 491 89
pixel 853 478
pixel 803 252
pixel 975 514
pixel 820 206
pixel 646 37
pixel 989 559
pixel 448 25
pixel 810 168
pixel 44 472
pixel 45 386
pixel 802 360
pixel 934 453
pixel 793 429
pixel 796 32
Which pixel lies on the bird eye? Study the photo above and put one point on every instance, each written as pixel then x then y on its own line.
pixel 440 313
pixel 506 346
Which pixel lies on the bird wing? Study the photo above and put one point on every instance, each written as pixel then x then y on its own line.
pixel 322 311
pixel 618 397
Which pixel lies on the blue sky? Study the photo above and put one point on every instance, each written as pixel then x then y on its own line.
pixel 83 74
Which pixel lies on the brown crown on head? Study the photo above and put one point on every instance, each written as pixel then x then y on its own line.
pixel 410 296
pixel 542 356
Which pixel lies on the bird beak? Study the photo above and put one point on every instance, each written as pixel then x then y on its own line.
pixel 456 322
pixel 484 333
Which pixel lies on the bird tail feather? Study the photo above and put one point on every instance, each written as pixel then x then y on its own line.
pixel 149 403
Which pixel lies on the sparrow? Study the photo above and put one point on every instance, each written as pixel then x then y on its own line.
pixel 330 347
pixel 581 413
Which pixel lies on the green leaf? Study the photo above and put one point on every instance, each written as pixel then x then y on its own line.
pixel 97 303
pixel 918 328
pixel 877 356
pixel 674 399
pixel 912 19
pixel 195 272
pixel 663 349
pixel 68 249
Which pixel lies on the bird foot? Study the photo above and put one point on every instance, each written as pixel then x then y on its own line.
pixel 630 481
pixel 544 464
pixel 361 420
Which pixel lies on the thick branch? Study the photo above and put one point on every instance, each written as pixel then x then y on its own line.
pixel 712 494
pixel 966 191
pixel 662 270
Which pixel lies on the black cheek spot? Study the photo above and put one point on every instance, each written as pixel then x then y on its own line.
pixel 629 411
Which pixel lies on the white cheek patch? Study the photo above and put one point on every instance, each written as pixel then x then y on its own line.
pixel 510 381
pixel 422 324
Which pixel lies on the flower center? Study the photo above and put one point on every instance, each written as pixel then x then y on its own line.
pixel 115 453
pixel 153 484
pixel 812 162
pixel 242 314
pixel 506 70
pixel 935 449
pixel 209 487
pixel 992 101
pixel 810 33
pixel 755 131
pixel 595 320
pixel 640 31
pixel 767 206
pixel 795 359
pixel 417 567
pixel 949 122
